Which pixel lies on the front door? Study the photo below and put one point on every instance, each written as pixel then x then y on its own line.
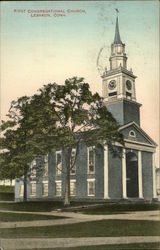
pixel 132 175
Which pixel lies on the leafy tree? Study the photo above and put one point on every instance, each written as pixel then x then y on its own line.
pixel 80 115
pixel 59 117
pixel 24 137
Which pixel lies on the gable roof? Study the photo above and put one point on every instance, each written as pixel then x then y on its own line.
pixel 140 130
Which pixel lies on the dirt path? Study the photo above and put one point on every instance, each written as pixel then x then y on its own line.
pixel 39 243
pixel 72 218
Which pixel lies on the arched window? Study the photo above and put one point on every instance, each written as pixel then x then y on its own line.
pixel 132 133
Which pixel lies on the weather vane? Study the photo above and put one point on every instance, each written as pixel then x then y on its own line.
pixel 117 11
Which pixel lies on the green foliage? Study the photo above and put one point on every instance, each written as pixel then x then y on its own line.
pixel 58 116
pixel 6 189
pixel 6 196
pixel 6 193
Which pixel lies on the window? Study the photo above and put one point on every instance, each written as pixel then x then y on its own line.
pixel 132 133
pixel 33 189
pixel 91 187
pixel 33 169
pixel 58 163
pixel 73 169
pixel 45 172
pixel 45 188
pixel 113 93
pixel 73 187
pixel 21 190
pixel 58 188
pixel 91 160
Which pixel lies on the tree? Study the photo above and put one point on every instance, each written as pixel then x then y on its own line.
pixel 24 137
pixel 80 115
pixel 60 117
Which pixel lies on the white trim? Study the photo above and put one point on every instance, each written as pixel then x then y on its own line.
pixel 46 158
pixel 71 180
pixel 58 171
pixel 93 181
pixel 74 167
pixel 88 149
pixel 140 143
pixel 154 176
pixel 45 182
pixel 127 125
pixel 21 190
pixel 137 146
pixel 132 133
pixel 124 186
pixel 106 196
pixel 140 185
pixel 59 151
pixel 58 182
pixel 43 189
pixel 33 183
pixel 33 172
pixel 140 130
pixel 45 166
pixel 33 163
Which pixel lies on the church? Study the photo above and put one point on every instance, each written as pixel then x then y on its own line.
pixel 97 175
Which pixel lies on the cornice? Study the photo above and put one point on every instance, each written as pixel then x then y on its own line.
pixel 116 100
pixel 153 143
pixel 117 71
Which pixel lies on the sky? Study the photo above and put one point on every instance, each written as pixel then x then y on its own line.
pixel 39 50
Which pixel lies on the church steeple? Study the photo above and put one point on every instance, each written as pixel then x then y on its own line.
pixel 117 38
pixel 118 56
pixel 119 84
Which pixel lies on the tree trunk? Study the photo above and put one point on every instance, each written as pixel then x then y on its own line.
pixel 67 153
pixel 67 189
pixel 25 185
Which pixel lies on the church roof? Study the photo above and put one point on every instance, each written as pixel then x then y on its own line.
pixel 117 38
pixel 140 130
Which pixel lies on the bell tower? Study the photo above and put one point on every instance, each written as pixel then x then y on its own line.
pixel 118 84
pixel 118 55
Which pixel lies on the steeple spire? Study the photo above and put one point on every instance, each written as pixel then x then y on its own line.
pixel 118 56
pixel 117 39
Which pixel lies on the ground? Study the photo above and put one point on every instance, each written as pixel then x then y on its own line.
pixel 39 225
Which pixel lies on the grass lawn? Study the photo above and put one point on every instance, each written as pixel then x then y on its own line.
pixel 7 217
pixel 31 206
pixel 105 208
pixel 121 208
pixel 6 193
pixel 103 228
pixel 6 189
pixel 111 247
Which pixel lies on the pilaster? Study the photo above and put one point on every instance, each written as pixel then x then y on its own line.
pixel 154 176
pixel 124 187
pixel 106 191
pixel 140 186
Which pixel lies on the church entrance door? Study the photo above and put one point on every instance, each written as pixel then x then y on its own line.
pixel 132 175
